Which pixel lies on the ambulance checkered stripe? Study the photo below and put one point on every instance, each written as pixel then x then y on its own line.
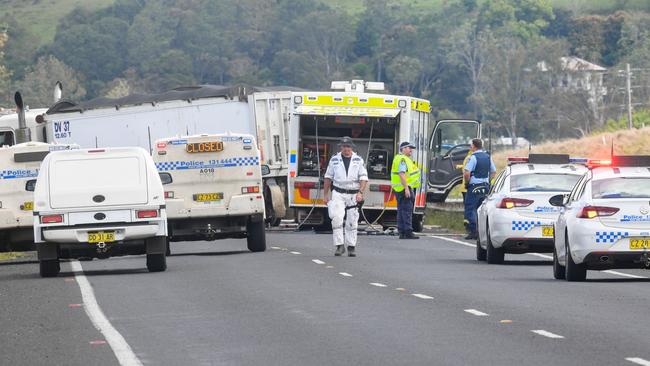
pixel 610 236
pixel 524 225
pixel 232 162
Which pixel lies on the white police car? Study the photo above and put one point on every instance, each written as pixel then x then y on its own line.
pixel 605 220
pixel 516 216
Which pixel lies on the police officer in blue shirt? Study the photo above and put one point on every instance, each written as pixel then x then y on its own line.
pixel 478 173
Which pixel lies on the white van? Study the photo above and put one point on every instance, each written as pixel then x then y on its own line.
pixel 99 203
pixel 19 165
pixel 213 187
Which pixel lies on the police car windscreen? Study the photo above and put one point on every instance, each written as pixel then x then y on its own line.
pixel 540 182
pixel 621 188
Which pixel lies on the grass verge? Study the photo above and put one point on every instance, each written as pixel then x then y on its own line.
pixel 451 220
pixel 10 255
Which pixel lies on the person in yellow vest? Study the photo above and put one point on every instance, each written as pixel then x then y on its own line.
pixel 463 187
pixel 405 179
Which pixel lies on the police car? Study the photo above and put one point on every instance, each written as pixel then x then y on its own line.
pixel 516 216
pixel 213 187
pixel 605 220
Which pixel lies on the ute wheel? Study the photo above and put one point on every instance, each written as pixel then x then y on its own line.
pixel 481 254
pixel 558 269
pixel 256 236
pixel 418 223
pixel 573 272
pixel 493 255
pixel 156 262
pixel 168 248
pixel 49 268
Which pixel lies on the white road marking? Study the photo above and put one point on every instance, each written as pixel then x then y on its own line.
pixel 121 349
pixel 455 241
pixel 638 361
pixel 623 274
pixel 547 334
pixel 276 248
pixel 422 296
pixel 475 312
pixel 318 261
pixel 296 253
pixel 345 274
pixel 377 284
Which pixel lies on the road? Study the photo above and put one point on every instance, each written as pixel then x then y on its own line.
pixel 424 302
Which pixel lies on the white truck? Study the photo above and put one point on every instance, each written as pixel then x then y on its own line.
pixel 213 187
pixel 19 166
pixel 99 203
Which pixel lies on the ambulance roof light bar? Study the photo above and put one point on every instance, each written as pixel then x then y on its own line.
pixel 357 86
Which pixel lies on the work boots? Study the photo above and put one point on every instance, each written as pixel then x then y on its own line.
pixel 340 249
pixel 351 252
pixel 408 235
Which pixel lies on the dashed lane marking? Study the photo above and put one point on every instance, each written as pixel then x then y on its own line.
pixel 318 261
pixel 329 267
pixel 475 312
pixel 121 349
pixel 276 248
pixel 623 274
pixel 377 284
pixel 422 296
pixel 296 253
pixel 400 289
pixel 506 321
pixel 547 334
pixel 638 361
pixel 345 274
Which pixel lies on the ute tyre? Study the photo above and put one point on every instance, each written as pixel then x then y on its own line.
pixel 418 223
pixel 168 248
pixel 574 272
pixel 559 272
pixel 493 255
pixel 481 254
pixel 256 237
pixel 156 262
pixel 49 268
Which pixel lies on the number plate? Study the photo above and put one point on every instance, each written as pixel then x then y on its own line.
pixel 640 243
pixel 101 237
pixel 547 230
pixel 208 197
pixel 27 206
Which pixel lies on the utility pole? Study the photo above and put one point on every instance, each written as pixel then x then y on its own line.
pixel 628 88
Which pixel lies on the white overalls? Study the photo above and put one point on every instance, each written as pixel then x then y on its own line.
pixel 336 207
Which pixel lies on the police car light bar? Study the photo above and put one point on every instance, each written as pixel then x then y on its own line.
pixel 596 163
pixel 517 159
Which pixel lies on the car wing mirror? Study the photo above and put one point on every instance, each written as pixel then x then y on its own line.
pixel 30 186
pixel 559 200
pixel 165 178
pixel 266 170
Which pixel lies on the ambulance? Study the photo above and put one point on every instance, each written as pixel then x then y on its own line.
pixel 19 166
pixel 213 187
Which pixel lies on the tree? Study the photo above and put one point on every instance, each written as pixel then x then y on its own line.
pixel 38 85
pixel 5 74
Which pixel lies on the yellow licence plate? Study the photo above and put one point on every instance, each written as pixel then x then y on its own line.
pixel 101 237
pixel 208 197
pixel 547 230
pixel 27 206
pixel 640 243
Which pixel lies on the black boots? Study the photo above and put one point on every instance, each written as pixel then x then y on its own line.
pixel 408 235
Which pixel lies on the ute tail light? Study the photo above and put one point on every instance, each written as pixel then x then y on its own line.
pixel 589 212
pixel 51 219
pixel 169 194
pixel 305 185
pixel 514 202
pixel 251 189
pixel 380 188
pixel 146 214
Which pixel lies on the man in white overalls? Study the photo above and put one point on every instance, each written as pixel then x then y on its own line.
pixel 349 177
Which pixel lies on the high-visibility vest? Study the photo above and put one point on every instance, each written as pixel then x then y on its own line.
pixel 412 173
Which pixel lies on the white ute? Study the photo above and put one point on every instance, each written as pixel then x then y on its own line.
pixel 213 187
pixel 99 203
pixel 19 165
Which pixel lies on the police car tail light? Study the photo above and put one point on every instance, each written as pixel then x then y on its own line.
pixel 514 202
pixel 589 212
pixel 305 185
pixel 147 214
pixel 51 219
pixel 169 194
pixel 380 187
pixel 251 189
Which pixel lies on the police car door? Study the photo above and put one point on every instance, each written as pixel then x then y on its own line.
pixel 448 147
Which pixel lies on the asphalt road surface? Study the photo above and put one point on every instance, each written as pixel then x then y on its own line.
pixel 424 302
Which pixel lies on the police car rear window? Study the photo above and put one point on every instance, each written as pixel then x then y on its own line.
pixel 540 182
pixel 621 188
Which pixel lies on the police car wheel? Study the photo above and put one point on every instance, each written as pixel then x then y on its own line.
pixel 574 272
pixel 156 262
pixel 493 255
pixel 256 236
pixel 481 254
pixel 49 268
pixel 558 269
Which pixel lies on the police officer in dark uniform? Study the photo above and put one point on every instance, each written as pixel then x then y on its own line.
pixel 478 173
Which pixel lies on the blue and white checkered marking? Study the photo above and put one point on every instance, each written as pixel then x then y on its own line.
pixel 524 225
pixel 610 236
pixel 17 174
pixel 223 163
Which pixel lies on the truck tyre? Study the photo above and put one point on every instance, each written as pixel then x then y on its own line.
pixel 574 272
pixel 418 223
pixel 49 268
pixel 256 236
pixel 558 269
pixel 493 255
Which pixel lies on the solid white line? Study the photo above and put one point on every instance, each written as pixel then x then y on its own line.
pixel 623 274
pixel 455 241
pixel 475 312
pixel 638 361
pixel 318 261
pixel 377 284
pixel 547 334
pixel 345 274
pixel 276 248
pixel 121 349
pixel 422 296
pixel 295 253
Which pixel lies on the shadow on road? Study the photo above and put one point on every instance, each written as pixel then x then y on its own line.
pixel 18 262
pixel 106 272
pixel 528 263
pixel 232 252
